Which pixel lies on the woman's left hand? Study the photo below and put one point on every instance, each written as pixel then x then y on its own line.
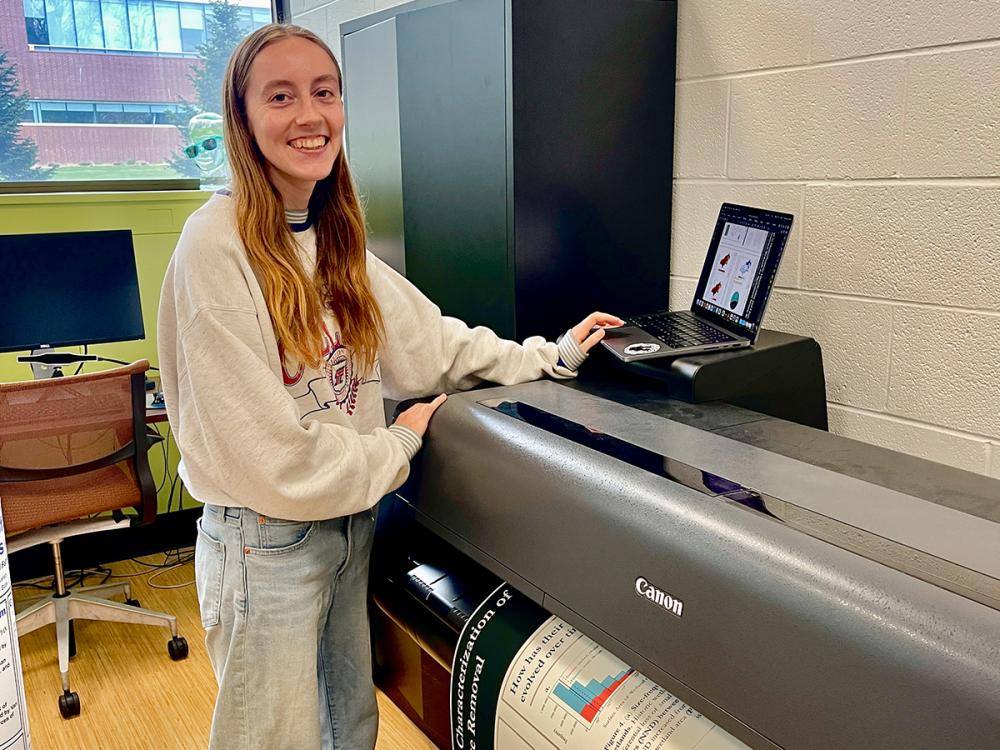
pixel 590 330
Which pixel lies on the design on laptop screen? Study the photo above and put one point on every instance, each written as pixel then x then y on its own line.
pixel 741 265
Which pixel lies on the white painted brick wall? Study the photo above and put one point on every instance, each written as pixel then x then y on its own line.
pixel 944 368
pixel 919 440
pixel 951 114
pixel 832 122
pixel 883 120
pixel 845 29
pixel 695 207
pixel 324 17
pixel 857 366
pixel 907 242
pixel 682 290
pixel 741 35
pixel 704 106
pixel 348 8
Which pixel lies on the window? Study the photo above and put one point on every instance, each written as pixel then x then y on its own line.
pixel 140 18
pixel 99 113
pixel 35 22
pixel 137 114
pixel 115 20
pixel 168 27
pixel 87 16
pixel 61 23
pixel 108 113
pixel 135 64
pixel 246 20
pixel 193 26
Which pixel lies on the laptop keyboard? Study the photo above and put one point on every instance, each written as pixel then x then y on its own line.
pixel 679 331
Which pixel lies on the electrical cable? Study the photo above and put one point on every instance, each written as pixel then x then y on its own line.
pixel 80 366
pixel 170 497
pixel 157 566
pixel 165 448
pixel 71 579
pixel 157 574
pixel 76 578
pixel 120 362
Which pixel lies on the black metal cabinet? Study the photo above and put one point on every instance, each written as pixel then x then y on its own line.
pixel 516 155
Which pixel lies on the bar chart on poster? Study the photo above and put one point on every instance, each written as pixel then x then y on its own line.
pixel 527 680
pixel 585 687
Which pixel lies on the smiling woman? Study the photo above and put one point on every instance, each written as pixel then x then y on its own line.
pixel 283 92
pixel 278 336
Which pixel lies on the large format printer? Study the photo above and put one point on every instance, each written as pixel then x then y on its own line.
pixel 799 589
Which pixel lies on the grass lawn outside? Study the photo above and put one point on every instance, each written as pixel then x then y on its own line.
pixel 116 172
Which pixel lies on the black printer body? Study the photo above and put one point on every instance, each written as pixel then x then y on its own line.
pixel 795 604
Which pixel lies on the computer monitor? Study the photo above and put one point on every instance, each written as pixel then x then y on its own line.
pixel 67 289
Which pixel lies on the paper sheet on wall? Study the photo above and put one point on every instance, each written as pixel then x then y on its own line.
pixel 13 709
pixel 526 680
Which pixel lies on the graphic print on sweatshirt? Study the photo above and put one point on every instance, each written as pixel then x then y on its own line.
pixel 334 384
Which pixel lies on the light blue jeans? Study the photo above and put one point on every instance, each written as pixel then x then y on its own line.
pixel 284 605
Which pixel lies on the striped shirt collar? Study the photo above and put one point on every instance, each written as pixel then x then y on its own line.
pixel 298 221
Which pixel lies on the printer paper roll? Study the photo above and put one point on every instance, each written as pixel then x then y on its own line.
pixel 524 679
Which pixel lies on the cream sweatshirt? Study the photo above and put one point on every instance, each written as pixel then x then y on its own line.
pixel 292 442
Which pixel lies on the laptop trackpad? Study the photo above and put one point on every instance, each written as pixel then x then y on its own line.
pixel 631 342
pixel 622 332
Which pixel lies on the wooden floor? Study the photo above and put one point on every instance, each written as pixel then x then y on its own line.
pixel 133 697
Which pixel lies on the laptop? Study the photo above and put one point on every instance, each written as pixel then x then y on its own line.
pixel 730 298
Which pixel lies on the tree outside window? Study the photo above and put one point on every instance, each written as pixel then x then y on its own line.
pixel 17 153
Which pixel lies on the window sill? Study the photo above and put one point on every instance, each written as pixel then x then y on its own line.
pixel 99 186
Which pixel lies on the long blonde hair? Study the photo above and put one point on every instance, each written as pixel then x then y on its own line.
pixel 296 301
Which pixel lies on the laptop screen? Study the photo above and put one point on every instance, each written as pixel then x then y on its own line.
pixel 740 267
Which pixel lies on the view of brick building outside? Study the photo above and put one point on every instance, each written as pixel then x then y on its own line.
pixel 100 76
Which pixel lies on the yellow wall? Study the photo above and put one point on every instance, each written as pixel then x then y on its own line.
pixel 155 218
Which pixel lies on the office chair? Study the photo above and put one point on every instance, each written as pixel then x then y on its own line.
pixel 72 448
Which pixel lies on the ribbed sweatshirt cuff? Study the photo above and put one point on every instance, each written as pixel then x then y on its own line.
pixel 411 441
pixel 570 353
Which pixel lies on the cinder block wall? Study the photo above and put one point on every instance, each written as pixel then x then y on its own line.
pixel 876 124
pixel 325 16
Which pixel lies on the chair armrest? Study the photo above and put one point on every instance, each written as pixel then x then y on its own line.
pixel 14 474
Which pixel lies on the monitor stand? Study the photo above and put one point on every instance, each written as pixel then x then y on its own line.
pixel 46 363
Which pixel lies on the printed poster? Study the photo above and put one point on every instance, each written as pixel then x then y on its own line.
pixel 526 680
pixel 13 709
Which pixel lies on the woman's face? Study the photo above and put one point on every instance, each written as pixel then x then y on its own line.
pixel 296 115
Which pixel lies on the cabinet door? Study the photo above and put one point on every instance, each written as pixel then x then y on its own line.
pixel 372 102
pixel 453 135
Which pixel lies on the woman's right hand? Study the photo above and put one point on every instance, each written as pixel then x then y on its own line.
pixel 418 415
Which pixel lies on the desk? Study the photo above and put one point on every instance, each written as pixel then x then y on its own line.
pixel 155 416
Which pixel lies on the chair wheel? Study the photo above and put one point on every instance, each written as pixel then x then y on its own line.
pixel 69 705
pixel 133 602
pixel 177 647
